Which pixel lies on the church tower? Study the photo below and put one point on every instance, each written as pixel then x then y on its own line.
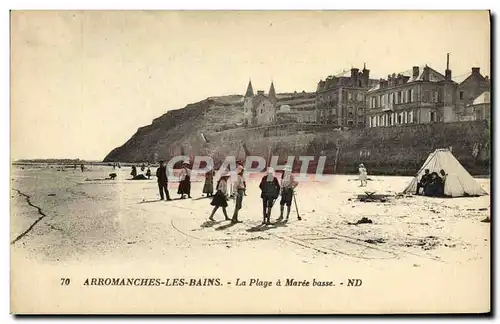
pixel 249 92
pixel 272 94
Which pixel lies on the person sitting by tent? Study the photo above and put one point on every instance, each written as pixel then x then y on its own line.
pixel 270 187
pixel 133 173
pixel 112 176
pixel 442 176
pixel 185 181
pixel 220 198
pixel 423 181
pixel 148 173
pixel 433 185
pixel 363 176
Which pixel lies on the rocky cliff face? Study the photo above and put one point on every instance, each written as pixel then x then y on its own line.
pixel 179 131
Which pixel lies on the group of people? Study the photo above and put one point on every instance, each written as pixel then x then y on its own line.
pixel 432 184
pixel 140 176
pixel 270 187
pixel 184 187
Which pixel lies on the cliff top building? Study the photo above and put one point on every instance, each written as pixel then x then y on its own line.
pixel 419 95
pixel 340 99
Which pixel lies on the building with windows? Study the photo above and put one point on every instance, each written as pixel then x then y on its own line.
pixel 340 99
pixel 481 107
pixel 468 91
pixel 421 95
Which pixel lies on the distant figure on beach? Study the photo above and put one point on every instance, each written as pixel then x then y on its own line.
pixel 185 181
pixel 270 187
pixel 148 173
pixel 162 178
pixel 220 198
pixel 74 167
pixel 112 176
pixel 208 187
pixel 82 167
pixel 239 188
pixel 114 166
pixel 133 173
pixel 443 176
pixel 363 175
pixel 143 167
pixel 288 185
pixel 423 181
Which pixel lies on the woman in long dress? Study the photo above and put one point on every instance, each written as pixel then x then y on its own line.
pixel 220 198
pixel 363 176
pixel 208 187
pixel 185 181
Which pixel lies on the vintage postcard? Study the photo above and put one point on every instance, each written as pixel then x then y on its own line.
pixel 250 162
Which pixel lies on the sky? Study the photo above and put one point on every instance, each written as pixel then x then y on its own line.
pixel 83 82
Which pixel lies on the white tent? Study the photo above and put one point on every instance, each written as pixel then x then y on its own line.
pixel 458 182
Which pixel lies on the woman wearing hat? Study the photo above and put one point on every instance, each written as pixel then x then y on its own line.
pixel 208 187
pixel 184 181
pixel 363 176
pixel 220 197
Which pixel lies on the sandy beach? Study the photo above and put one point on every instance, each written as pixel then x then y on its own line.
pixel 420 254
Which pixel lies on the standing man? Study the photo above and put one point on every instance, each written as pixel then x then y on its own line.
pixel 270 188
pixel 161 175
pixel 288 185
pixel 239 188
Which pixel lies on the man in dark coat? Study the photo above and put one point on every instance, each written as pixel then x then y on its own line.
pixel 161 175
pixel 270 187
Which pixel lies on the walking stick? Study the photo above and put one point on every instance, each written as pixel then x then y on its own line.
pixel 296 208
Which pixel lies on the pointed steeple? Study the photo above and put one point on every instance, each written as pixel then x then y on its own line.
pixel 272 92
pixel 249 92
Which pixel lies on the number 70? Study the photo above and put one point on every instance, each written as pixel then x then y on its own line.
pixel 65 281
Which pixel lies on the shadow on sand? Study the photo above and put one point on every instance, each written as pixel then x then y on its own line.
pixel 203 197
pixel 210 223
pixel 149 201
pixel 262 227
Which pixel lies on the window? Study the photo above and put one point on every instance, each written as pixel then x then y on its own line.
pixel 411 116
pixel 410 95
pixel 360 97
pixel 400 99
pixel 432 116
pixel 390 98
pixel 349 96
pixel 461 95
pixel 350 123
pixel 435 96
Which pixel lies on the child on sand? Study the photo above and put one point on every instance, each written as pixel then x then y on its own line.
pixel 270 188
pixel 240 188
pixel 220 197
pixel 288 185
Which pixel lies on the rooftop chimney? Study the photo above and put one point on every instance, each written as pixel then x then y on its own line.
pixel 354 76
pixel 416 71
pixel 260 92
pixel 425 76
pixel 447 72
